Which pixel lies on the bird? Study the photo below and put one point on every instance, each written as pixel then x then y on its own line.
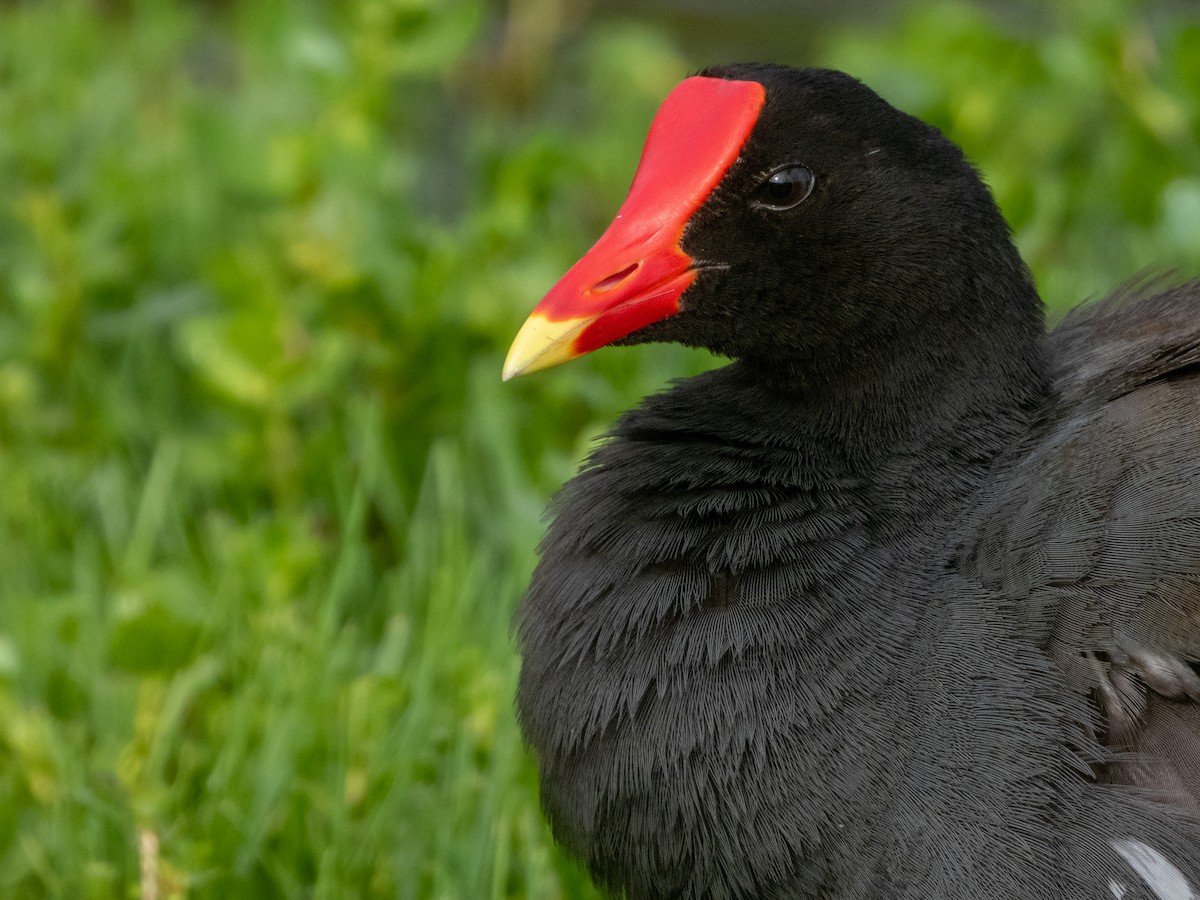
pixel 902 600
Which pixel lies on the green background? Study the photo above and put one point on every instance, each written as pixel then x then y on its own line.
pixel 265 506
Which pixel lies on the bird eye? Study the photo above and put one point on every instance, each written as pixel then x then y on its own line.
pixel 785 188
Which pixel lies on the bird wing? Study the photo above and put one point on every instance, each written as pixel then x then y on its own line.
pixel 1095 533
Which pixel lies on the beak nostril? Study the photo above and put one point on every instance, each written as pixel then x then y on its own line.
pixel 607 284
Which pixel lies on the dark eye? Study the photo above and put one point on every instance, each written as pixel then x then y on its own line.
pixel 785 188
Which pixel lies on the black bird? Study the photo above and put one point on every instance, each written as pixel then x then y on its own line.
pixel 903 602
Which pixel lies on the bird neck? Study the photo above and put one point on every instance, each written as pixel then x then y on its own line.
pixel 966 377
pixel 934 416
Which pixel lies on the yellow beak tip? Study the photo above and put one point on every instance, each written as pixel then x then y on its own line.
pixel 542 343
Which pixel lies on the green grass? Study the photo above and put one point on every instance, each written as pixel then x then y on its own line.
pixel 265 508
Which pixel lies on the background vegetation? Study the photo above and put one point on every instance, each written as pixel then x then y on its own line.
pixel 265 508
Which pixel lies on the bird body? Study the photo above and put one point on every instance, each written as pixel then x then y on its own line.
pixel 903 601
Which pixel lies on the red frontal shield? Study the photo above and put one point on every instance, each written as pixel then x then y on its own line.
pixel 637 271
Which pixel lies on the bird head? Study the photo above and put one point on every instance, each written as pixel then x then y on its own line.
pixel 791 218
